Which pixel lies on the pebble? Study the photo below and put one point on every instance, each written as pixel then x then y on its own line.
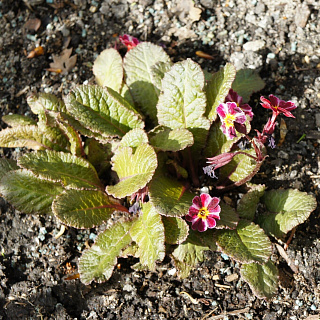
pixel 302 15
pixel 283 155
pixel 318 120
pixel 254 45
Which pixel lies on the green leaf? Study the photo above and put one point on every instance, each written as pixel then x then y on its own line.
pixel 247 81
pixel 14 120
pixel 97 263
pixel 176 230
pixel 102 111
pixel 85 208
pixel 247 205
pixel 169 196
pixel 134 138
pixel 217 141
pixel 172 140
pixel 7 165
pixel 28 136
pixel 158 71
pixel 39 103
pixel 73 137
pixel 71 171
pixel 28 193
pixel 228 217
pixel 262 279
pixel 287 209
pixel 138 63
pixel 134 170
pixel 99 155
pixel 182 101
pixel 188 254
pixel 108 70
pixel 148 232
pixel 240 167
pixel 248 243
pixel 218 87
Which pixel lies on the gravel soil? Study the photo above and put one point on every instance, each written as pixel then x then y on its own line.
pixel 279 38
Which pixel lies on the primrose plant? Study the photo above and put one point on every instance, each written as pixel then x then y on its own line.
pixel 149 152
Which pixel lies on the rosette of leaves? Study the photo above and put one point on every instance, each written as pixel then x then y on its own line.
pixel 148 124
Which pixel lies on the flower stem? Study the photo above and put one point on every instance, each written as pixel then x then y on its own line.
pixel 193 173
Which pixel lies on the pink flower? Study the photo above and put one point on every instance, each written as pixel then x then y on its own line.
pixel 229 114
pixel 234 97
pixel 278 106
pixel 217 162
pixel 204 212
pixel 129 41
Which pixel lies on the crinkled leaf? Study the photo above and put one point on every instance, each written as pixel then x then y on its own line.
pixel 71 171
pixel 176 230
pixel 217 141
pixel 97 263
pixel 228 217
pixel 134 170
pixel 148 232
pixel 73 137
pixel 42 102
pixel 172 140
pixel 126 94
pixel 68 119
pixel 85 208
pixel 158 71
pixel 287 209
pixel 218 87
pixel 182 101
pixel 248 243
pixel 247 205
pixel 99 155
pixel 130 250
pixel 169 196
pixel 134 138
pixel 28 193
pixel 247 81
pixel 181 172
pixel 188 254
pixel 14 120
pixel 239 167
pixel 56 139
pixel 138 64
pixel 7 165
pixel 28 136
pixel 108 70
pixel 102 111
pixel 262 279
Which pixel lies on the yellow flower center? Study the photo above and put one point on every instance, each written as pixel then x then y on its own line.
pixel 229 119
pixel 203 213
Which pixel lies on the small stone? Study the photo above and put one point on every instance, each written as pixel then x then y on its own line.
pixel 283 155
pixel 231 277
pixel 318 120
pixel 302 15
pixel 254 45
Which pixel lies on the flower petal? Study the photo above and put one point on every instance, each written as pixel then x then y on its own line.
pixel 197 202
pixel 205 199
pixel 213 204
pixel 222 110
pixel 211 222
pixel 200 225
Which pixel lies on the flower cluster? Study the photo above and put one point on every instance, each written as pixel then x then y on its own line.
pixel 129 41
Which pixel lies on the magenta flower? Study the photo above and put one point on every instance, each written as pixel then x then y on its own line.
pixel 234 97
pixel 278 106
pixel 230 114
pixel 129 41
pixel 204 212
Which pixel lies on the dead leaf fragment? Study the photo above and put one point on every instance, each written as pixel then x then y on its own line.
pixel 38 51
pixel 63 62
pixel 32 24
